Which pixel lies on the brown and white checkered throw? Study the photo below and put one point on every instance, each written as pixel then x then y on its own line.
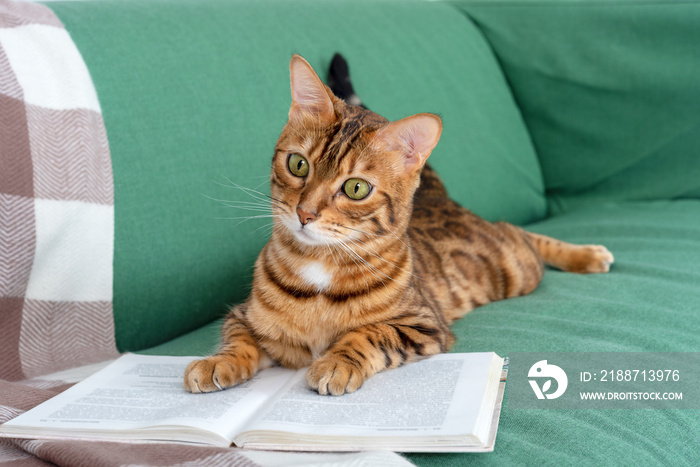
pixel 56 201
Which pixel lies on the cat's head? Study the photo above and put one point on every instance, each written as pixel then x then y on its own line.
pixel 342 173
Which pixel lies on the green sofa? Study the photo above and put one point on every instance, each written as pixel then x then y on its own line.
pixel 575 119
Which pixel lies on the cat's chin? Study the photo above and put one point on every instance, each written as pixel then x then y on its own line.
pixel 310 238
pixel 307 235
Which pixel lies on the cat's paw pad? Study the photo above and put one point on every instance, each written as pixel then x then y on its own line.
pixel 332 375
pixel 598 260
pixel 214 374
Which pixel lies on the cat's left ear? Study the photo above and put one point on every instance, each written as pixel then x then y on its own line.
pixel 414 137
pixel 309 94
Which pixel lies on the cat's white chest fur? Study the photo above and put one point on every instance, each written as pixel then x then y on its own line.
pixel 315 274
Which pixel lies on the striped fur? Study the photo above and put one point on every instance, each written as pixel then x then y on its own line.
pixel 354 287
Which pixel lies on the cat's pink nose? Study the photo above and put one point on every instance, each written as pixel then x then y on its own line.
pixel 305 217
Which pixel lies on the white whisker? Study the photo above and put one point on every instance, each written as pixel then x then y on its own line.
pixel 353 257
pixel 262 216
pixel 330 250
pixel 374 254
pixel 371 234
pixel 264 228
pixel 262 204
pixel 372 268
pixel 255 194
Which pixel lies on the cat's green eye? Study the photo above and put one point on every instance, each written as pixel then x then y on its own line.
pixel 356 188
pixel 298 165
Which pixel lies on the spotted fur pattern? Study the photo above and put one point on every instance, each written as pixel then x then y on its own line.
pixel 354 287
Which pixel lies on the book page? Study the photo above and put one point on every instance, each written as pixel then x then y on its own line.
pixel 139 392
pixel 434 397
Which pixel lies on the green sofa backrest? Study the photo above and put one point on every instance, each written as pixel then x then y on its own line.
pixel 610 91
pixel 195 93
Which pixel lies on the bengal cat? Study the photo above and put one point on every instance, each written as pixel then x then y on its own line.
pixel 369 260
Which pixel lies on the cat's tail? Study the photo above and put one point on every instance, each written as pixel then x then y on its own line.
pixel 339 81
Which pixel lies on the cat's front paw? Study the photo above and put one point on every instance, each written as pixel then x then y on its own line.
pixel 333 375
pixel 216 373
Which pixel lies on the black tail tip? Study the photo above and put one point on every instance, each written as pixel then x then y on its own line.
pixel 339 77
pixel 339 80
pixel 339 68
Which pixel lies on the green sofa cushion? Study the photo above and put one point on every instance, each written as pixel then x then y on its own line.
pixel 196 93
pixel 648 302
pixel 610 92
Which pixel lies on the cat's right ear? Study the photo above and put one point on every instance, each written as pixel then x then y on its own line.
pixel 309 95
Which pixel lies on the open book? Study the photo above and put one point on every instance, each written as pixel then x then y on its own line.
pixel 447 403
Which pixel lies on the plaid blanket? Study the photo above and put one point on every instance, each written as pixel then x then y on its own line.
pixel 56 201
